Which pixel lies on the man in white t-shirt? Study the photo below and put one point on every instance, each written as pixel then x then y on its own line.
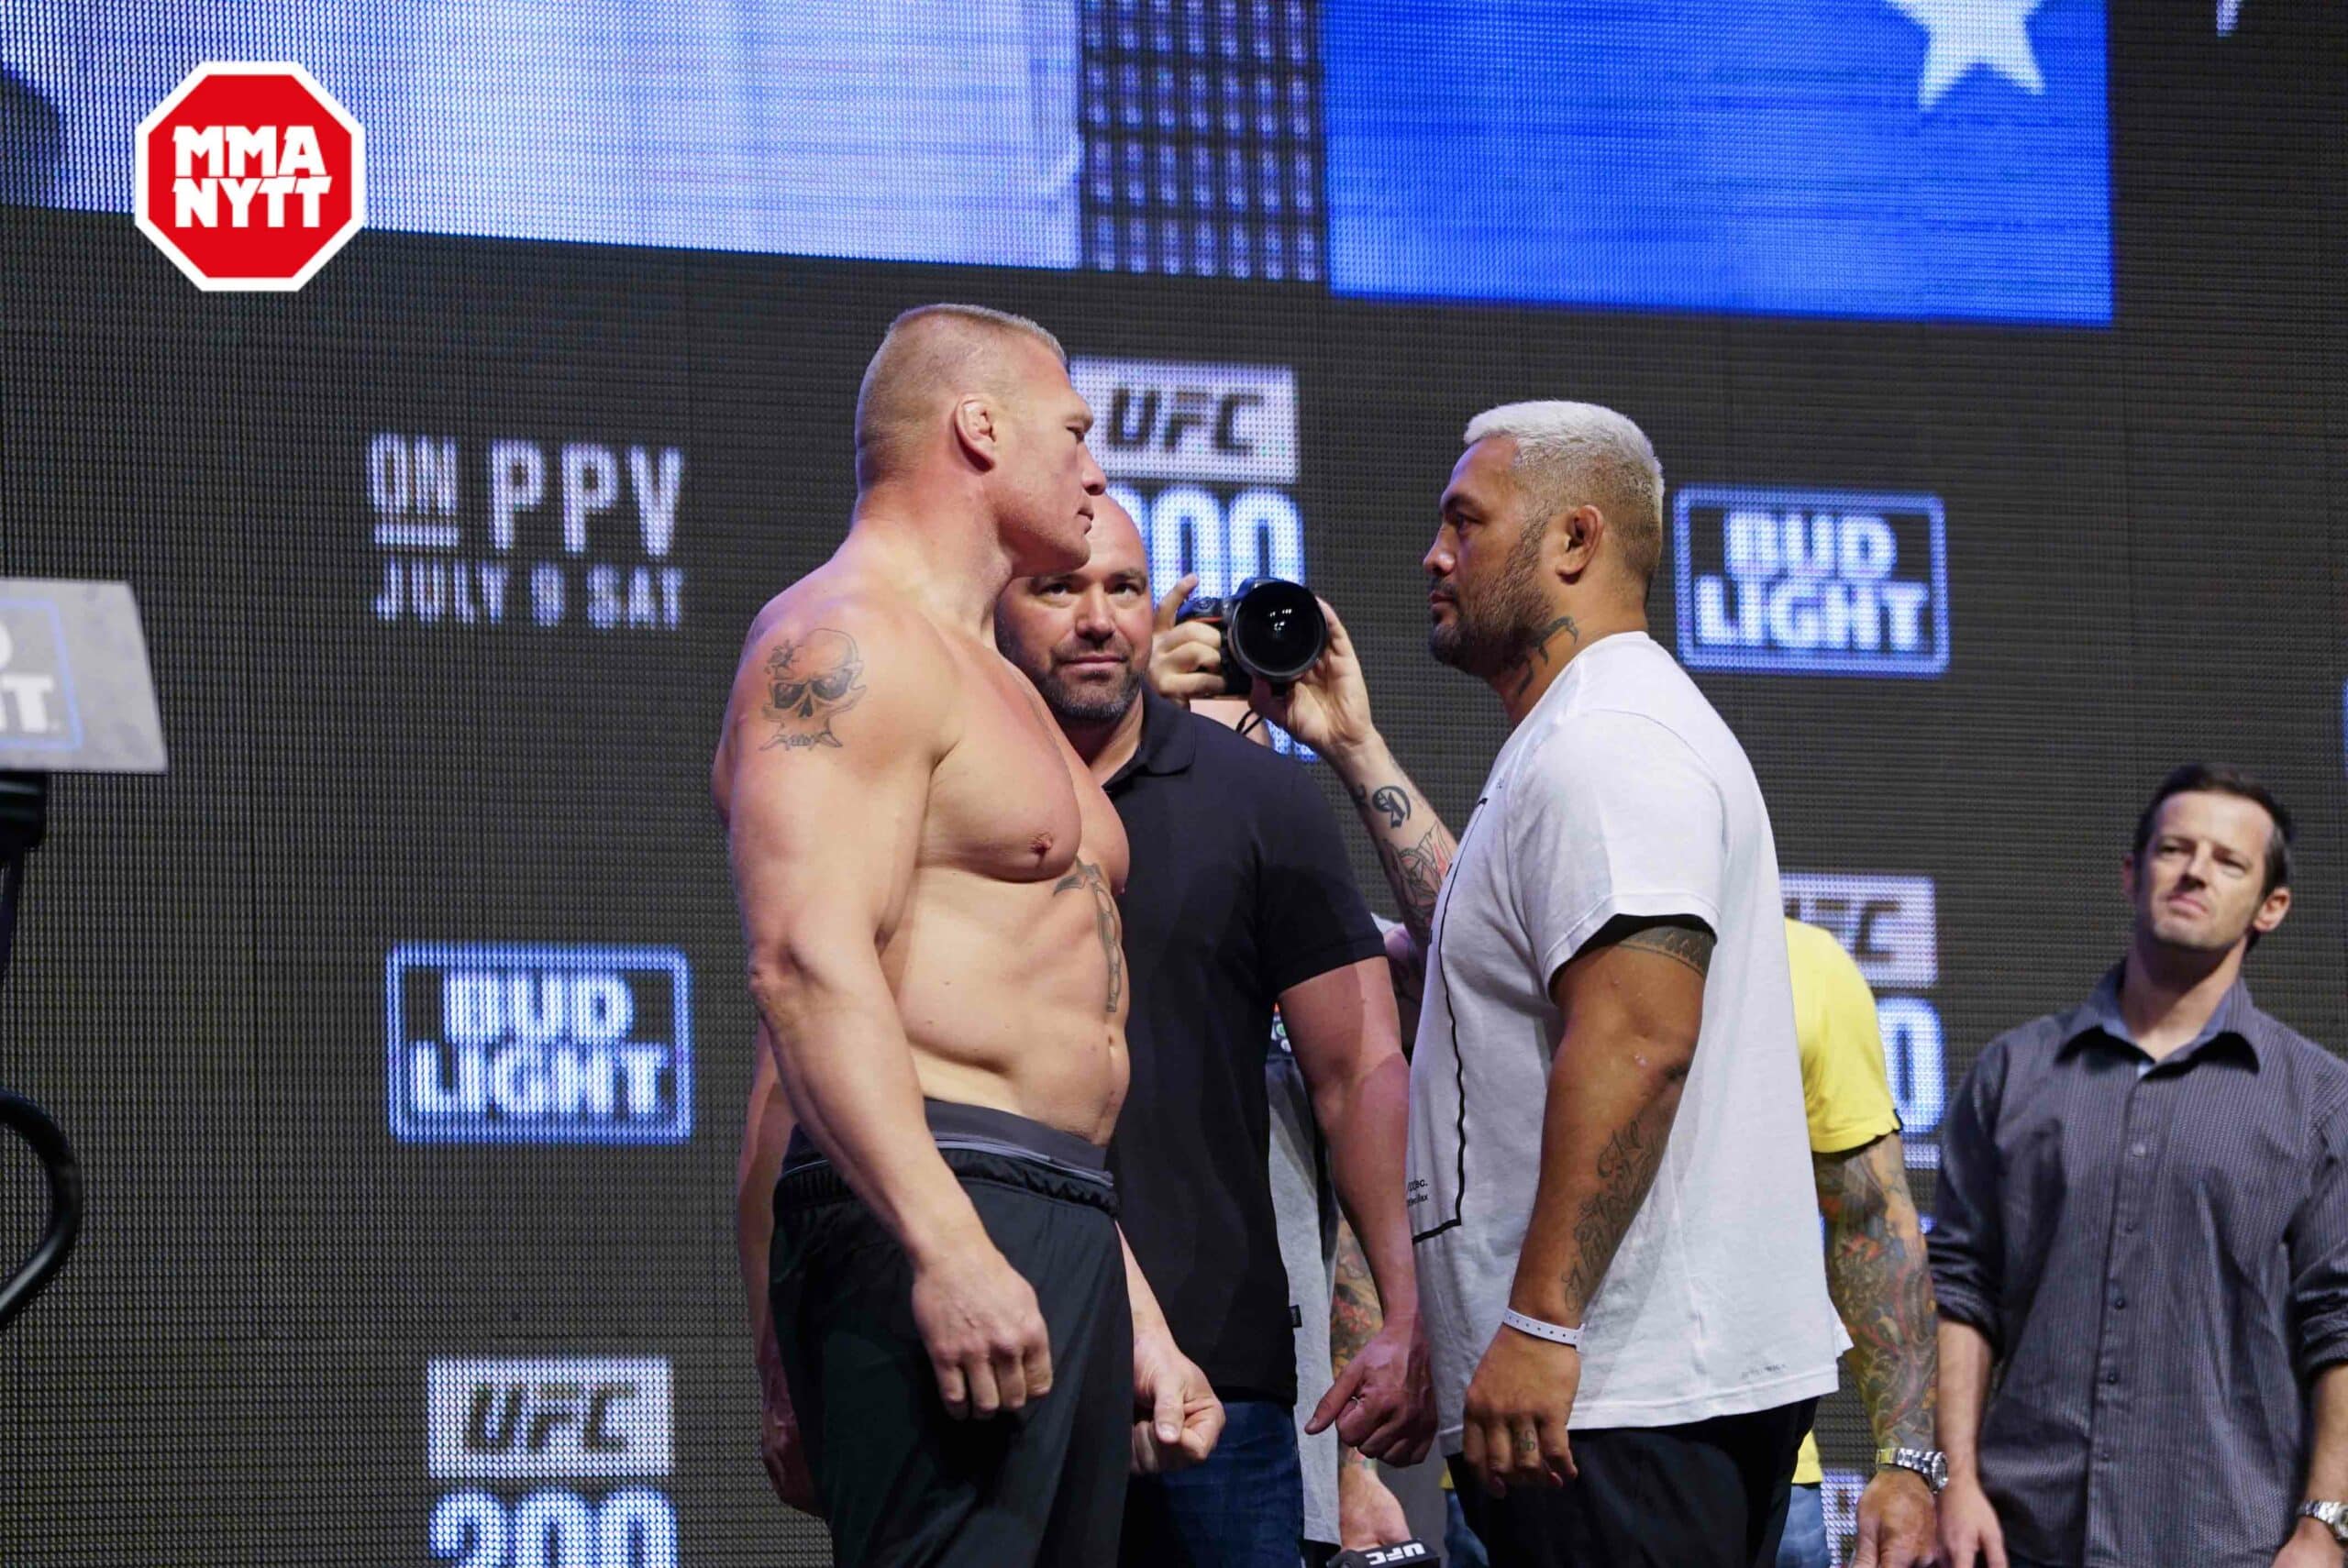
pixel 1609 1183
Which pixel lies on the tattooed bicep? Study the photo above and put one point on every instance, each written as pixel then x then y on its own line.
pixel 811 680
pixel 1682 938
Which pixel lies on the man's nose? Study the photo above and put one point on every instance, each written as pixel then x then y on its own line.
pixel 1439 561
pixel 1092 618
pixel 1095 480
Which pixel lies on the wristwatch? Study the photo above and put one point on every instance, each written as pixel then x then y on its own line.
pixel 1932 1465
pixel 2333 1517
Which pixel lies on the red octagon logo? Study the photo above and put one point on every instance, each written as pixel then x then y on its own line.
pixel 250 176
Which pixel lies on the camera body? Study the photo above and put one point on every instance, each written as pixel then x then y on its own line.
pixel 1272 630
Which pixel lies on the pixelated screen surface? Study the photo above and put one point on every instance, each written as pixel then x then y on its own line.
pixel 400 1025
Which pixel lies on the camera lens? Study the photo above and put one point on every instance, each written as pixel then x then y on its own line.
pixel 1276 629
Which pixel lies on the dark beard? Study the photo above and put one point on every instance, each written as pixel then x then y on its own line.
pixel 1071 705
pixel 1493 637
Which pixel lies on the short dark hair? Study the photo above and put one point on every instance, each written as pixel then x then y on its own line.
pixel 2216 778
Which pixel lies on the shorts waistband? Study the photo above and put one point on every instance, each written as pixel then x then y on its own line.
pixel 977 1128
pixel 817 1182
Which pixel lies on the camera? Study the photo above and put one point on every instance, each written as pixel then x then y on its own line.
pixel 1272 630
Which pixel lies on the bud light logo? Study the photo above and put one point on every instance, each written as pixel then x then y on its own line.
pixel 1811 583
pixel 538 1044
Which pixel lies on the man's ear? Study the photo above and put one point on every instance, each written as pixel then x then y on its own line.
pixel 2271 912
pixel 978 430
pixel 1578 533
pixel 2128 877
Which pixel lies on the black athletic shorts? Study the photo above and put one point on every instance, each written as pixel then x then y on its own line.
pixel 903 1483
pixel 1707 1495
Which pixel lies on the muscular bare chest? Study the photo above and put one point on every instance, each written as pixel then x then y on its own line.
pixel 1013 802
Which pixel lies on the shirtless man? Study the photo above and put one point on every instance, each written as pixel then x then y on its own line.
pixel 927 877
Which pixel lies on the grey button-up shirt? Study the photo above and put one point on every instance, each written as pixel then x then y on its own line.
pixel 2160 1253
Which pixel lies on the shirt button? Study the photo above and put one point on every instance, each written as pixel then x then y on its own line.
pixel 2128 1226
pixel 2139 1150
pixel 2119 1300
pixel 2111 1376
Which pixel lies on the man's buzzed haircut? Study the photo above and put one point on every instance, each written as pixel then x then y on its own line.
pixel 931 353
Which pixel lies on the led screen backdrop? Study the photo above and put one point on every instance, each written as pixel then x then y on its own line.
pixel 400 1026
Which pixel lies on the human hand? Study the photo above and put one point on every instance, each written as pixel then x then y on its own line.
pixel 1383 1403
pixel 1185 659
pixel 1327 707
pixel 985 1334
pixel 2311 1546
pixel 1369 1513
pixel 1969 1530
pixel 1178 1419
pixel 1518 1405
pixel 1899 1527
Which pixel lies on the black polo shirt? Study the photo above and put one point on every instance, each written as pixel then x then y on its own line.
pixel 1240 889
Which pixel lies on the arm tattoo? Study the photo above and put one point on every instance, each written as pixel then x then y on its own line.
pixel 1416 872
pixel 1105 923
pixel 810 681
pixel 1876 1273
pixel 1686 941
pixel 1627 1168
pixel 1393 803
pixel 1354 1314
pixel 1540 648
pixel 1354 1317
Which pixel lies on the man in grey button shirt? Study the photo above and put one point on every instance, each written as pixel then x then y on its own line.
pixel 2143 1222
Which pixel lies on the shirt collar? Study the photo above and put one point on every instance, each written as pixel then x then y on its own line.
pixel 2234 1018
pixel 1170 740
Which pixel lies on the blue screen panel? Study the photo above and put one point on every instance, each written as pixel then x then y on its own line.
pixel 1889 159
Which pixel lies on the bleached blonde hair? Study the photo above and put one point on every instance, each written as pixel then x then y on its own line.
pixel 1575 454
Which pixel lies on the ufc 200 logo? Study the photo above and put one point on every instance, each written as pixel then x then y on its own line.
pixel 1220 423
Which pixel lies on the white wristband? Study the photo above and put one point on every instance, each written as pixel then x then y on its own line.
pixel 1556 1333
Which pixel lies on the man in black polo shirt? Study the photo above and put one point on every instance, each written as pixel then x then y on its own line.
pixel 1239 898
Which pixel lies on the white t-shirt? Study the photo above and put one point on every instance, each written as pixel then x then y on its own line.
pixel 1622 792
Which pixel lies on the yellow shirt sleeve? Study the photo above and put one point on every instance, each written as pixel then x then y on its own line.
pixel 1843 1086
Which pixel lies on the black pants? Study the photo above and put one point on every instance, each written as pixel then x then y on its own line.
pixel 1708 1495
pixel 904 1485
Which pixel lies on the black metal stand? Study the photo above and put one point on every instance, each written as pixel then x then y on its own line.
pixel 24 818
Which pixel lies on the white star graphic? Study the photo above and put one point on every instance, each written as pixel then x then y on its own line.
pixel 1967 33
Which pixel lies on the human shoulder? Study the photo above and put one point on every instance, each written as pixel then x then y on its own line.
pixel 835 660
pixel 2027 1049
pixel 2318 1078
pixel 1585 757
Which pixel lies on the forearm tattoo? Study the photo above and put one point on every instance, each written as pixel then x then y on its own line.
pixel 1355 1317
pixel 1876 1270
pixel 1414 868
pixel 810 681
pixel 1627 1168
pixel 1106 923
